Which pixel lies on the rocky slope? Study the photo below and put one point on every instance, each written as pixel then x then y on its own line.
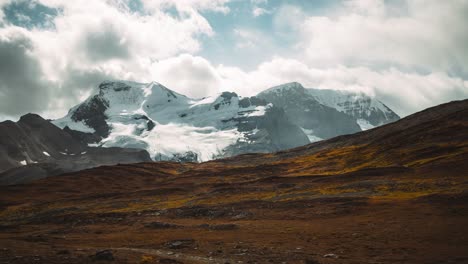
pixel 34 148
pixel 171 126
pixel 324 114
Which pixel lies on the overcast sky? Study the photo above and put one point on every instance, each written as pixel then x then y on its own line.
pixel 410 54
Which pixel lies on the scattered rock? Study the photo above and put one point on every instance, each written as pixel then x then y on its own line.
pixel 161 225
pixel 105 255
pixel 181 243
pixel 201 212
pixel 330 256
pixel 242 215
pixel 219 227
pixel 211 213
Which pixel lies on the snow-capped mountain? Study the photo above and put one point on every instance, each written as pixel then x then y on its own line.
pixel 368 111
pixel 172 126
pixel 324 114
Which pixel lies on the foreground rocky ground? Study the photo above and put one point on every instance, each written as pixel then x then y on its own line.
pixel 395 194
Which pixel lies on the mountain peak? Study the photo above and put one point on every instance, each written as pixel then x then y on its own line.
pixel 291 86
pixel 31 119
pixel 117 86
pixel 164 122
pixel 159 88
pixel 228 95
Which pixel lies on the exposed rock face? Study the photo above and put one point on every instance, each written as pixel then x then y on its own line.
pixel 150 118
pixel 91 113
pixel 174 127
pixel 83 137
pixel 328 113
pixel 171 126
pixel 269 133
pixel 188 156
pixel 305 111
pixel 32 140
pixel 34 148
pixel 357 105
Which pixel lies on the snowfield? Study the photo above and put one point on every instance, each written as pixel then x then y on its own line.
pixel 181 124
pixel 168 124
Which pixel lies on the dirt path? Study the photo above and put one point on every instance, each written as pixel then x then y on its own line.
pixel 177 256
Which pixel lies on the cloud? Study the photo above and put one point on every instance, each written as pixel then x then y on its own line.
pixel 189 5
pixel 257 2
pixel 288 18
pixel 2 13
pixel 91 41
pixel 258 11
pixel 404 92
pixel 190 75
pixel 22 88
pixel 105 45
pixel 417 35
pixel 410 54
pixel 247 38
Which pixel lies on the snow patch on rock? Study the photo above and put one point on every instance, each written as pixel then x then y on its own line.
pixel 364 124
pixel 310 134
pixel 78 126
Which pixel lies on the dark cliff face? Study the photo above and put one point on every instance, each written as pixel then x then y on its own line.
pixel 361 109
pixel 252 101
pixel 34 148
pixel 283 133
pixel 116 86
pixel 92 113
pixel 32 139
pixel 267 133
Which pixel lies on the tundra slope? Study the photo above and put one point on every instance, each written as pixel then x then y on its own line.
pixel 393 194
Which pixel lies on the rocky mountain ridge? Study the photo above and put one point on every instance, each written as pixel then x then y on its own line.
pixel 34 148
pixel 172 126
